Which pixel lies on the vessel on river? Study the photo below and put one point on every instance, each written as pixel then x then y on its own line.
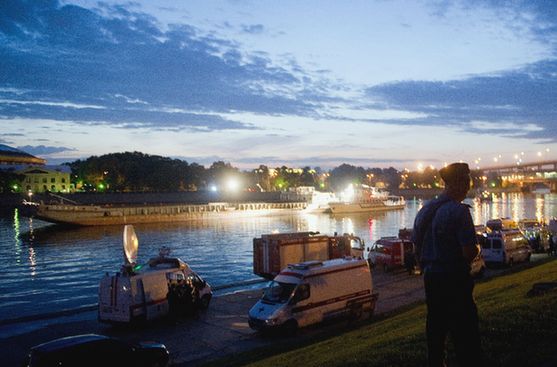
pixel 366 199
pixel 94 215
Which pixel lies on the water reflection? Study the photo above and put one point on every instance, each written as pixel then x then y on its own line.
pixel 17 242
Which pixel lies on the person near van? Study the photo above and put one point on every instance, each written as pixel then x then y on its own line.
pixel 446 244
pixel 552 245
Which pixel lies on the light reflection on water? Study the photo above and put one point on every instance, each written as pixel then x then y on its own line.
pixel 47 268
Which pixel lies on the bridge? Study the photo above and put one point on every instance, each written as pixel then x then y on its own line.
pixel 526 175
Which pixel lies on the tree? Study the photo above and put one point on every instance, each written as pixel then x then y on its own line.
pixel 345 174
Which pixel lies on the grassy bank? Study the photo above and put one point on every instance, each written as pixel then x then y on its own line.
pixel 516 331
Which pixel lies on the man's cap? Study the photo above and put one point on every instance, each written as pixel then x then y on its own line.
pixel 455 172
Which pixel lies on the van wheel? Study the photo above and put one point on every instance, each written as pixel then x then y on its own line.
pixel 204 302
pixel 356 313
pixel 290 327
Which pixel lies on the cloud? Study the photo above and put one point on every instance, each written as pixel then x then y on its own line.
pixel 520 101
pixel 253 28
pixel 115 64
pixel 39 150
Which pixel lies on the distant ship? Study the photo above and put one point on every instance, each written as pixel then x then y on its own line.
pixel 365 198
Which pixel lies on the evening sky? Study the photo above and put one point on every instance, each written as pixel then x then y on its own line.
pixel 319 83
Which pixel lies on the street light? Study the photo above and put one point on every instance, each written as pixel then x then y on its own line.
pixel 232 184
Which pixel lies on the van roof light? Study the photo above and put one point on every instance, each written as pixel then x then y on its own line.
pixel 305 265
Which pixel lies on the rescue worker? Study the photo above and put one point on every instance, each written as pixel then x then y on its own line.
pixel 446 246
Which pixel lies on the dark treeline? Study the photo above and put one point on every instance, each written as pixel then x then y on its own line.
pixel 139 172
pixel 135 171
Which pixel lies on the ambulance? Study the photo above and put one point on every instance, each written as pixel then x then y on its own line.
pixel 149 291
pixel 310 292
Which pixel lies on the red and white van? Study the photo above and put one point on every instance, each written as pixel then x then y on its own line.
pixel 389 253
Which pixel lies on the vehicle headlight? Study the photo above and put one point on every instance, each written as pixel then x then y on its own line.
pixel 271 322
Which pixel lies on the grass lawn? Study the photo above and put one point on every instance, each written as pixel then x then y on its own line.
pixel 516 331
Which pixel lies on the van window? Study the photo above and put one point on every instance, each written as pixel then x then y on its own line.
pixel 496 244
pixel 380 248
pixel 278 292
pixel 302 292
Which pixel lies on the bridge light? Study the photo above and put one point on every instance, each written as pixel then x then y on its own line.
pixel 539 154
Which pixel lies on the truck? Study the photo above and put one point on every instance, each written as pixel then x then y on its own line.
pixel 310 292
pixel 273 252
pixel 164 285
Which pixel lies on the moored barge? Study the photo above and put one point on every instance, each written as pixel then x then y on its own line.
pixel 95 215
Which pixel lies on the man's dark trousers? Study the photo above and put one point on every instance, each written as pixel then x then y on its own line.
pixel 451 310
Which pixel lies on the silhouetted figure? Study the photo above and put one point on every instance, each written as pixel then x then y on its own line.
pixel 446 244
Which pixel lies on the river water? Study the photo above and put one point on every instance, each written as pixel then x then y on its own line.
pixel 46 268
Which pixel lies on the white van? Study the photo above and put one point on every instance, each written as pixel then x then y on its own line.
pixel 151 292
pixel 313 291
pixel 145 292
pixel 505 247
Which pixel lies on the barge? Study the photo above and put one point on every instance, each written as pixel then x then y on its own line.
pixel 98 215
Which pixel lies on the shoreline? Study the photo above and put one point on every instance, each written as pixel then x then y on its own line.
pixel 220 331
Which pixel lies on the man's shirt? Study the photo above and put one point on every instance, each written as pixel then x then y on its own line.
pixel 451 229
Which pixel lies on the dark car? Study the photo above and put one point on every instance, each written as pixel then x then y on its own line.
pixel 96 350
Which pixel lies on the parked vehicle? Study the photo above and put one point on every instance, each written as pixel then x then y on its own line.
pixel 273 252
pixel 96 350
pixel 145 292
pixel 536 233
pixel 478 266
pixel 505 247
pixel 310 292
pixel 389 253
pixel 499 224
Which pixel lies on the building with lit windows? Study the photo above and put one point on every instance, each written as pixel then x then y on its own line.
pixel 46 179
pixel 37 177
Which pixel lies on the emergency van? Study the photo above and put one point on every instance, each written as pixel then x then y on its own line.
pixel 505 247
pixel 149 291
pixel 388 253
pixel 314 291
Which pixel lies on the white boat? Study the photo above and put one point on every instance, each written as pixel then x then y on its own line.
pixel 540 189
pixel 366 199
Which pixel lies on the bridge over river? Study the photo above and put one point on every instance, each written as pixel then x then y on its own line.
pixel 527 175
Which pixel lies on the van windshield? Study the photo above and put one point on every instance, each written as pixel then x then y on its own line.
pixel 278 292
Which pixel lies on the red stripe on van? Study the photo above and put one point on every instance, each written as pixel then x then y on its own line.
pixel 353 297
pixel 147 304
pixel 335 271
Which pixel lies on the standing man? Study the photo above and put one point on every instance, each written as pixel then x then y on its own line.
pixel 445 239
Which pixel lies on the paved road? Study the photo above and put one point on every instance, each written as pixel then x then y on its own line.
pixel 221 330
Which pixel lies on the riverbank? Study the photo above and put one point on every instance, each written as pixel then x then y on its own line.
pixel 517 329
pixel 223 331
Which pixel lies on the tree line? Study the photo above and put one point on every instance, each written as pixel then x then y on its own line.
pixel 139 172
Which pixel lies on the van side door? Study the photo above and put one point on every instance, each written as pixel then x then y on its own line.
pixel 303 309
